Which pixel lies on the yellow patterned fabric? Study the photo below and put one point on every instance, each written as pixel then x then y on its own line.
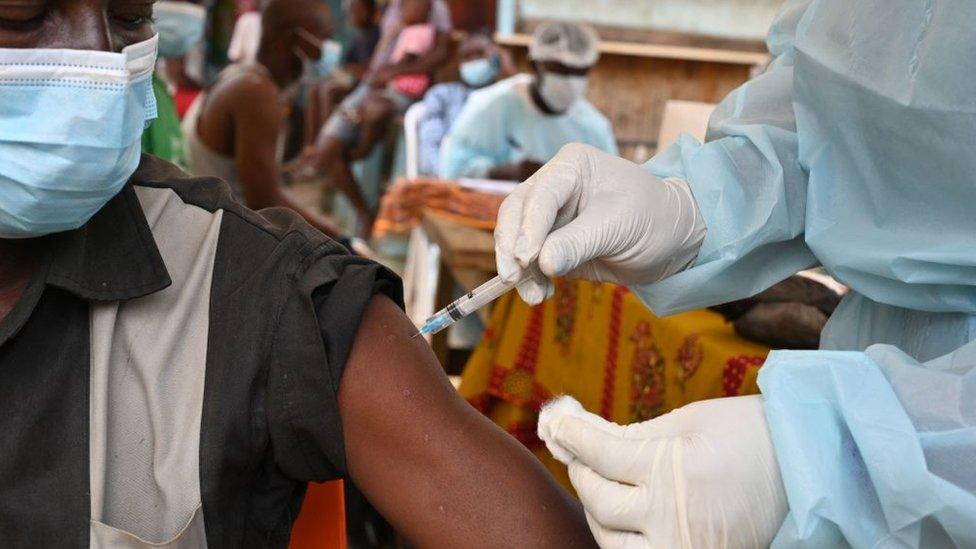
pixel 601 345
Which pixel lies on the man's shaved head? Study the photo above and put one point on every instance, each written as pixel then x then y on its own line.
pixel 283 16
pixel 292 31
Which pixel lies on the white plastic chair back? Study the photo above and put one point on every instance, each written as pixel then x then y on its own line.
pixel 421 276
pixel 411 132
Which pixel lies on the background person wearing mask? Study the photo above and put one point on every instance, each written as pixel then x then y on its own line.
pixel 175 368
pixel 355 127
pixel 482 63
pixel 180 26
pixel 234 130
pixel 508 130
pixel 326 96
pixel 853 151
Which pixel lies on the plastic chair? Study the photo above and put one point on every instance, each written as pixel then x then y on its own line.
pixel 322 521
pixel 411 133
pixel 421 276
pixel 422 272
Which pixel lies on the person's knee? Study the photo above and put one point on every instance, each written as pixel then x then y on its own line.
pixel 331 148
pixel 335 93
pixel 377 110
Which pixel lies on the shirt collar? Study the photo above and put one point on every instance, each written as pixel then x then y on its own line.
pixel 111 258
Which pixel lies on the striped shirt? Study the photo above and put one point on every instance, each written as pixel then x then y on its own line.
pixel 170 374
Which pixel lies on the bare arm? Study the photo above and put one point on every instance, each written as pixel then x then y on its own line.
pixel 357 70
pixel 257 124
pixel 515 172
pixel 176 72
pixel 442 473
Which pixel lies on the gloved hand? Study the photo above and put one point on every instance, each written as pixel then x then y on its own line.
pixel 610 220
pixel 702 476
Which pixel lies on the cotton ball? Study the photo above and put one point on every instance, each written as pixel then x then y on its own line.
pixel 551 412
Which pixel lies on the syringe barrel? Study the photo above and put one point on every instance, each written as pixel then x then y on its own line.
pixel 481 296
pixel 438 323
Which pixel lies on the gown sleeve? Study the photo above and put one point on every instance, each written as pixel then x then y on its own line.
pixel 875 448
pixel 478 140
pixel 749 185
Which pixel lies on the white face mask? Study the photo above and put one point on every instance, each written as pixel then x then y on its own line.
pixel 562 91
pixel 330 57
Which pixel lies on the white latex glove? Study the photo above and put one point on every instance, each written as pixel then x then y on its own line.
pixel 592 215
pixel 700 477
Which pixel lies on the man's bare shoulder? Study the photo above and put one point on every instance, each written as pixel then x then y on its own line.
pixel 246 86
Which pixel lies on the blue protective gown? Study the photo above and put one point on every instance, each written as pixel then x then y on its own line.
pixel 855 150
pixel 501 125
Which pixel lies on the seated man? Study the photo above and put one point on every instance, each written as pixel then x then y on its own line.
pixel 233 131
pixel 482 63
pixel 174 368
pixel 508 130
pixel 360 121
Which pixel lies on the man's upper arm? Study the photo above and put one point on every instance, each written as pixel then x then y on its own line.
pixel 257 124
pixel 442 473
pixel 441 52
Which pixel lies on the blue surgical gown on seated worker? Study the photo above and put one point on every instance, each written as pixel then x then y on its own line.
pixel 502 125
pixel 855 150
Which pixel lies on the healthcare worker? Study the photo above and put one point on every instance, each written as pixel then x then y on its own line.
pixel 854 150
pixel 482 64
pixel 508 130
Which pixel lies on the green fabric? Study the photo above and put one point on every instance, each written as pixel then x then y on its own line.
pixel 164 138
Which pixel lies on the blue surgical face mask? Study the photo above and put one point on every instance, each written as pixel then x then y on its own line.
pixel 180 26
pixel 478 72
pixel 70 128
pixel 328 61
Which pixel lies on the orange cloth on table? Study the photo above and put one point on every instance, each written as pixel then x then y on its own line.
pixel 404 204
pixel 601 345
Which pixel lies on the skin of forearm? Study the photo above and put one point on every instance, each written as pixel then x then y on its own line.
pixel 348 187
pixel 357 71
pixel 507 172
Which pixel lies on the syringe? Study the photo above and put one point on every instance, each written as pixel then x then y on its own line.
pixel 469 304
